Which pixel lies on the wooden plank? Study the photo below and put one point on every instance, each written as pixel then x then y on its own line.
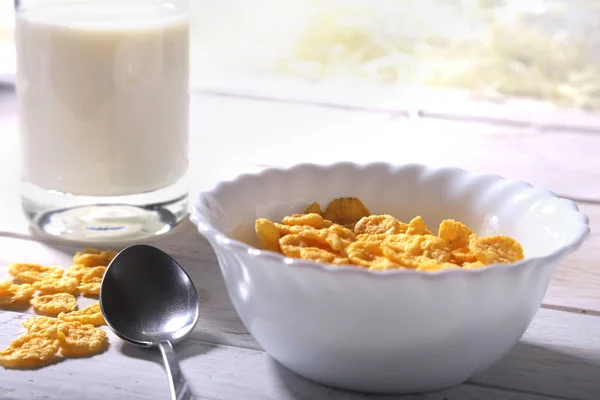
pixel 214 372
pixel 243 131
pixel 559 355
pixel 576 282
pixel 284 134
pixel 556 342
pixel 438 102
pixel 229 134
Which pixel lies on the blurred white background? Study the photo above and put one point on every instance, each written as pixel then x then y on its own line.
pixel 543 54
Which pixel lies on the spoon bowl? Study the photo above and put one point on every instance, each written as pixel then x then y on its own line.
pixel 148 299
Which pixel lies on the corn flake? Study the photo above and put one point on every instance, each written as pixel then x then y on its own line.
pixel 462 256
pixel 78 340
pixel 90 289
pixel 88 250
pixel 346 211
pixel 380 237
pixel 473 265
pixel 428 246
pixel 267 234
pixel 346 233
pixel 313 220
pixel 5 287
pixel 30 350
pixel 54 304
pixel 290 229
pixel 314 208
pixel 39 324
pixel 30 272
pixel 496 250
pixel 417 227
pixel 333 239
pixel 77 271
pixel 368 254
pixel 297 246
pixel 17 296
pixel 403 259
pixel 434 265
pixel 342 232
pixel 91 281
pixel 92 260
pixel 455 233
pixel 65 284
pixel 109 254
pixel 94 257
pixel 379 225
pixel 89 315
pixel 72 332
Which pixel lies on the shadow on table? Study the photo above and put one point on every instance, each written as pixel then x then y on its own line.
pixel 298 388
pixel 547 370
pixel 184 350
pixel 528 369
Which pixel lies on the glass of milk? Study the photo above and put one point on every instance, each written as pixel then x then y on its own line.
pixel 102 87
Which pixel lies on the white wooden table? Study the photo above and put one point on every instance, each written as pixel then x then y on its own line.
pixel 557 358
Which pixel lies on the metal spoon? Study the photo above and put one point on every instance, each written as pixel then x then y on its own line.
pixel 148 299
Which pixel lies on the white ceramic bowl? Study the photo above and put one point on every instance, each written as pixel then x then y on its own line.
pixel 388 331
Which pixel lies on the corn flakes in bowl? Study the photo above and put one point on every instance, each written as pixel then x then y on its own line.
pixel 431 279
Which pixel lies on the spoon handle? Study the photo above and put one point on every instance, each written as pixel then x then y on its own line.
pixel 180 390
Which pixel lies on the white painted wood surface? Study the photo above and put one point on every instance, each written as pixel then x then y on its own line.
pixel 558 357
pixel 219 371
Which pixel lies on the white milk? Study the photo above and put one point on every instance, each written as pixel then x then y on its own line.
pixel 103 96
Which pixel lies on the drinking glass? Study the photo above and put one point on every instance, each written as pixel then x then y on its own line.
pixel 102 87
